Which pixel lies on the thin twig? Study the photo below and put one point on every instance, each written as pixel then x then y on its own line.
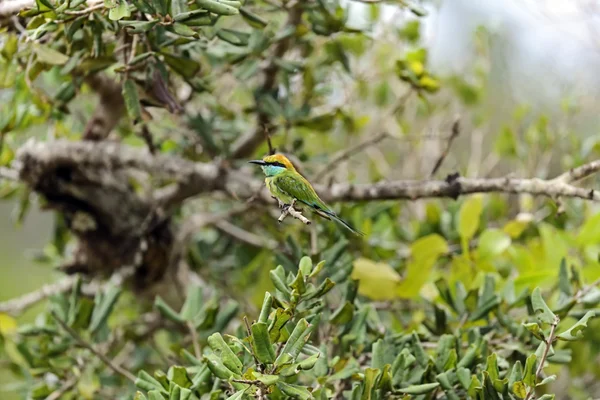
pixel 349 152
pixel 86 10
pixel 581 293
pixel 195 340
pixel 549 340
pixel 68 385
pixel 120 370
pixel 245 236
pixel 442 157
pixel 246 144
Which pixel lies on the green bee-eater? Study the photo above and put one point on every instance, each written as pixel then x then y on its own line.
pixel 286 185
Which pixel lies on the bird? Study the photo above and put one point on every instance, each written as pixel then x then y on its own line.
pixel 287 185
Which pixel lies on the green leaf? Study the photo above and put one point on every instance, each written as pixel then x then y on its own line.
pixel 278 278
pixel 139 396
pixel 281 318
pixel 266 308
pixel 155 395
pixel 546 397
pixel 464 377
pixel 305 266
pixel 103 308
pixel 261 343
pixel 237 395
pixel 167 311
pixel 529 377
pixel 217 7
pixel 234 37
pixel 183 30
pixel 298 283
pixel 252 19
pixel 318 268
pixel 222 350
pixel 296 341
pixel 132 101
pixel 138 26
pixel 217 367
pixel 420 389
pixel 309 363
pixel 519 389
pixel 535 329
pixel 182 65
pixel 323 288
pixel 48 55
pixel 179 376
pixel 541 309
pixel 564 285
pixel 468 218
pixel 590 231
pixel 547 380
pixel 268 380
pixel 492 243
pixel 146 382
pixel 576 331
pixel 295 391
pixel 343 314
pixel 121 10
pixel 193 302
pixel 178 7
pixel 515 374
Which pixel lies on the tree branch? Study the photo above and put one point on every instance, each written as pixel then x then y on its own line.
pixel 195 178
pixel 116 368
pixel 290 210
pixel 18 305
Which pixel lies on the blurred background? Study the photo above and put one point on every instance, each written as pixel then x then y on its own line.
pixel 522 76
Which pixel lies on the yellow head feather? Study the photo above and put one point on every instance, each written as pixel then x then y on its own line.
pixel 281 159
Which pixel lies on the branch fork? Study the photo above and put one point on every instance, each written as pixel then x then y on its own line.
pixel 288 209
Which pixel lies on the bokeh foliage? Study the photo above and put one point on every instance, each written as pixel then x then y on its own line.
pixel 444 299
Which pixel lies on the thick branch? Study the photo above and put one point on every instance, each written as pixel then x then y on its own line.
pixel 246 144
pixel 413 190
pixel 110 108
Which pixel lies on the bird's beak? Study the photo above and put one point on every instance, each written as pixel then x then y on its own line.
pixel 258 162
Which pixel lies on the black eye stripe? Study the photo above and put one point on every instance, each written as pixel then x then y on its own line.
pixel 276 164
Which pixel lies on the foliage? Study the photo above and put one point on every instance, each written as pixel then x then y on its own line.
pixel 314 338
pixel 485 297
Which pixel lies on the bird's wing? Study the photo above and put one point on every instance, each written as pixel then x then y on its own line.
pixel 300 189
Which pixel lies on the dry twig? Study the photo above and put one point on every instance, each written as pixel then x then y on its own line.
pixel 116 368
pixel 349 152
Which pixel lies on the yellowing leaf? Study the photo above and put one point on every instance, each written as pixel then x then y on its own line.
pixel 590 231
pixel 492 242
pixel 377 281
pixel 424 253
pixel 468 218
pixel 430 246
pixel 515 228
pixel 416 67
pixel 8 324
pixel 430 84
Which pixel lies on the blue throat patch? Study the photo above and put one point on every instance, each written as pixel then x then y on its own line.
pixel 272 170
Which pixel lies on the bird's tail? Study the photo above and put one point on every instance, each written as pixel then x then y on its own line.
pixel 331 215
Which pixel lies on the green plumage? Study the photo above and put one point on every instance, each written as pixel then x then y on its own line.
pixel 288 185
